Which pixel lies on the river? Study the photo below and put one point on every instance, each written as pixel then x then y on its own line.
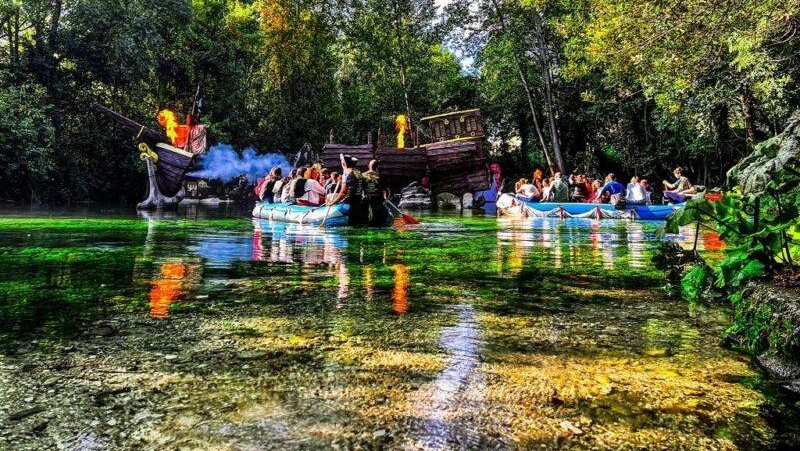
pixel 205 329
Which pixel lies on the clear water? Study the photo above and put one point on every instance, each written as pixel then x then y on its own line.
pixel 205 329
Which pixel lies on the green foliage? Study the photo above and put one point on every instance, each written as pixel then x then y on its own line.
pixel 622 86
pixel 695 282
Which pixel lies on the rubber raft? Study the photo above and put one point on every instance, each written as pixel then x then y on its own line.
pixel 510 205
pixel 337 215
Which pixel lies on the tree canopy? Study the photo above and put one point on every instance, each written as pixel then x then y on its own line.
pixel 597 85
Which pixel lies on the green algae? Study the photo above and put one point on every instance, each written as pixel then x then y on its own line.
pixel 317 338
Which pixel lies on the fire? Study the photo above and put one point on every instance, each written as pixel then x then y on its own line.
pixel 169 120
pixel 401 127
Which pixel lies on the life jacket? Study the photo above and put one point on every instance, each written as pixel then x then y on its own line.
pixel 299 188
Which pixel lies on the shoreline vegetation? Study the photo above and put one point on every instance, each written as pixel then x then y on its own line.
pixel 759 222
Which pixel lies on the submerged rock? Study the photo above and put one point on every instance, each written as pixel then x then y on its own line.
pixel 24 413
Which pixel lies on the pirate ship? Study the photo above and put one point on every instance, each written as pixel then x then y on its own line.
pixel 452 161
pixel 167 155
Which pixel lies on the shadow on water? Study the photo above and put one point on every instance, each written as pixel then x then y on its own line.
pixel 210 329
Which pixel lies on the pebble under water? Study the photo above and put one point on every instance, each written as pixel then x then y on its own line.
pixel 205 329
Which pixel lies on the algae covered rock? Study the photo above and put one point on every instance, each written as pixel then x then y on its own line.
pixel 754 172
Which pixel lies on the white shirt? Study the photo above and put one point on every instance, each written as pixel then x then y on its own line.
pixel 636 193
pixel 313 191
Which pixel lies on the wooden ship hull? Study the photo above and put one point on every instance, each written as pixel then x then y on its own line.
pixel 171 168
pixel 453 162
pixel 166 165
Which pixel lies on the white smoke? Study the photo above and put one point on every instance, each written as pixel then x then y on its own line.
pixel 222 162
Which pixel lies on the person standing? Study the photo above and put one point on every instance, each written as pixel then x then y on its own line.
pixel 374 196
pixel 349 192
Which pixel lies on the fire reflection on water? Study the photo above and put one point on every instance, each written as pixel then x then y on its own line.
pixel 167 289
pixel 400 292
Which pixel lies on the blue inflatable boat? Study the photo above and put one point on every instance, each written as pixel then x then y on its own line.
pixel 337 215
pixel 515 206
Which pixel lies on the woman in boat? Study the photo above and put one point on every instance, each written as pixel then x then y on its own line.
pixel 313 193
pixel 528 191
pixel 636 193
pixel 265 189
pixel 678 191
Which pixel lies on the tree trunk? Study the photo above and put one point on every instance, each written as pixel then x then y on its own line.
pixel 524 82
pixel 748 113
pixel 402 62
pixel 547 78
pixel 522 127
pixel 551 120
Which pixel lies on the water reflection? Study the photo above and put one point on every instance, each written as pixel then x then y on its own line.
pixel 272 242
pixel 168 288
pixel 400 292
pixel 578 241
pixel 462 343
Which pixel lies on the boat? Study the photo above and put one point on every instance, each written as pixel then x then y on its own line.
pixel 167 159
pixel 336 215
pixel 510 205
pixel 452 162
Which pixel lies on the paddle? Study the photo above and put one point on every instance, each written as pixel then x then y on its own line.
pixel 328 211
pixel 408 219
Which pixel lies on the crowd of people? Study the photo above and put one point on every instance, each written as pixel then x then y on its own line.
pixel 582 188
pixel 316 186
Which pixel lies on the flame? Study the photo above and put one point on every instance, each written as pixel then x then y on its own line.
pixel 169 120
pixel 400 293
pixel 401 127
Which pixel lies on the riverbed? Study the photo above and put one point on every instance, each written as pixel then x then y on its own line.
pixel 205 329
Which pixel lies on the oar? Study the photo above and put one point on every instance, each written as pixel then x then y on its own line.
pixel 408 219
pixel 328 211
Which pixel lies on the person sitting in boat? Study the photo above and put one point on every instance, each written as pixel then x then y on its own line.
pixel 537 179
pixel 648 191
pixel 559 189
pixel 594 193
pixel 636 193
pixel 349 190
pixel 373 196
pixel 678 191
pixel 265 188
pixel 324 176
pixel 287 192
pixel 612 192
pixel 547 192
pixel 579 188
pixel 528 191
pixel 313 192
pixel 333 182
